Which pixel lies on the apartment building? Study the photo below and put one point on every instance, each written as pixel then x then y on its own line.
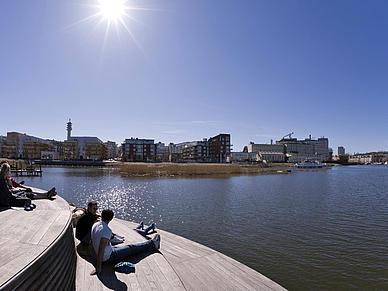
pixel 84 147
pixel 112 150
pixel 24 146
pixel 139 150
pixel 162 152
pixel 196 151
pixel 341 151
pixel 3 142
pixel 368 158
pixel 220 148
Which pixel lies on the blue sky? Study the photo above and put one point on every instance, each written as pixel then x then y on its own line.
pixel 185 70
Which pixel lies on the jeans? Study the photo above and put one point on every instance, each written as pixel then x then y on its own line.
pixel 121 252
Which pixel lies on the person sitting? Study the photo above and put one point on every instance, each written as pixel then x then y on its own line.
pixel 32 195
pixel 106 253
pixel 85 223
pixel 8 198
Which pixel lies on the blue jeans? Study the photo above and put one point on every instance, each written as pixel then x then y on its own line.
pixel 121 252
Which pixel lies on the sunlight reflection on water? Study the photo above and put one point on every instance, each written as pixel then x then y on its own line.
pixel 322 230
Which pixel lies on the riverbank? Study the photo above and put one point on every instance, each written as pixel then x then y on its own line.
pixel 177 169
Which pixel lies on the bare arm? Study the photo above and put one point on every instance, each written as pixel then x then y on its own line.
pixel 103 243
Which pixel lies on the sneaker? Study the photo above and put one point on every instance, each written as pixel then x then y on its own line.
pixel 156 241
pixel 115 240
pixel 32 206
pixel 140 226
pixel 51 193
pixel 119 236
pixel 27 208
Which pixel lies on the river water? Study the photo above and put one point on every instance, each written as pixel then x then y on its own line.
pixel 307 230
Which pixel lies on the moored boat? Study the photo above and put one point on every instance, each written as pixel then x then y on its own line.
pixel 309 165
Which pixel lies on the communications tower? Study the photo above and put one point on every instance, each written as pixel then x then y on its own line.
pixel 69 128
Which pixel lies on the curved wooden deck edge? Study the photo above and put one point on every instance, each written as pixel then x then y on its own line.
pixel 37 251
pixel 180 264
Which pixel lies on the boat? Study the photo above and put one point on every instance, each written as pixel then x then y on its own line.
pixel 309 165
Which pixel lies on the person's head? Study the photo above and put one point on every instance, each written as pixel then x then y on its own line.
pixel 92 207
pixel 4 170
pixel 107 215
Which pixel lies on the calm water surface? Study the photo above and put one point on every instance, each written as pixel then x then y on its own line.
pixel 322 230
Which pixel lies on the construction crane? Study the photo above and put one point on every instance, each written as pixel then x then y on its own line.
pixel 289 135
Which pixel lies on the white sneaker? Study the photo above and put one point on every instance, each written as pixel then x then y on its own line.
pixel 119 236
pixel 115 240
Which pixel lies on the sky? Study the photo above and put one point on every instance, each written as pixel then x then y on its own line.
pixel 180 70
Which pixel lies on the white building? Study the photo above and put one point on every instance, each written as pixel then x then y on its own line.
pixel 255 148
pixel 271 157
pixel 307 149
pixel 243 157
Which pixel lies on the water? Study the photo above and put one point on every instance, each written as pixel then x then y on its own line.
pixel 322 230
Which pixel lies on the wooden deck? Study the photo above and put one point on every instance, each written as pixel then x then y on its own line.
pixel 37 247
pixel 180 264
pixel 39 252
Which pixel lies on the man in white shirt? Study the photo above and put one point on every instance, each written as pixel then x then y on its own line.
pixel 101 234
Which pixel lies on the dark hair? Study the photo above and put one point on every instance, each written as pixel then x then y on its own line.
pixel 91 203
pixel 107 215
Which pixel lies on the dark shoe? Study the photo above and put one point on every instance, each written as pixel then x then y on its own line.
pixel 140 226
pixel 150 228
pixel 156 241
pixel 51 193
pixel 32 206
pixel 21 183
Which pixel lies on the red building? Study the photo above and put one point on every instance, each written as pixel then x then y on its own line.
pixel 219 147
pixel 138 150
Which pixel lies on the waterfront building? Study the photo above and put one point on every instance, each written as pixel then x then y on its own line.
pixel 139 150
pixel 112 150
pixel 162 152
pixel 3 142
pixel 321 147
pixel 83 147
pixel 70 151
pixel 196 151
pixel 255 148
pixel 369 158
pixel 271 157
pixel 177 148
pixel 341 151
pixel 240 157
pixel 220 148
pixel 308 149
pixel 24 146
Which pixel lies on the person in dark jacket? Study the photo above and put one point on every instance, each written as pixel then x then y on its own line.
pixel 85 223
pixel 32 195
pixel 8 198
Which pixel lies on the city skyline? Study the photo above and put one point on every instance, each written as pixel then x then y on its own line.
pixel 178 71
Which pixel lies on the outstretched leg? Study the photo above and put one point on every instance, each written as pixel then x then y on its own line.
pixel 147 230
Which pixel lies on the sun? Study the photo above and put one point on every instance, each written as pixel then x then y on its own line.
pixel 112 9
